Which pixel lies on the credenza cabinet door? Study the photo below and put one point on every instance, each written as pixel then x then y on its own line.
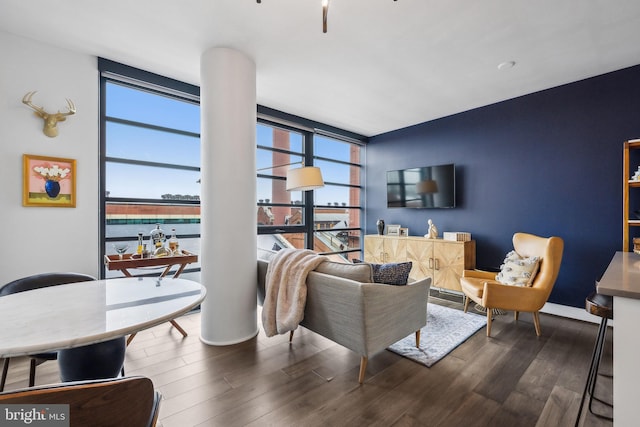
pixel 395 249
pixel 374 249
pixel 384 249
pixel 420 253
pixel 448 265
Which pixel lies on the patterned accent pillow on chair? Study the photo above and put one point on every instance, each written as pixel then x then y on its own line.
pixel 517 270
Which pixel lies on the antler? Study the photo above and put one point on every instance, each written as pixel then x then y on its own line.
pixel 27 100
pixel 71 106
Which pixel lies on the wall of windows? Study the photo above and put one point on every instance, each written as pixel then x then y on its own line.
pixel 150 171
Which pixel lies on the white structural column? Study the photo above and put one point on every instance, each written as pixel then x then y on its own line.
pixel 228 196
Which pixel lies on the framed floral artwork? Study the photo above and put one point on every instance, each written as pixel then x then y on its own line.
pixel 48 181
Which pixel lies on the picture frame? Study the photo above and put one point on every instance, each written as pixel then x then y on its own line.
pixel 404 232
pixel 48 181
pixel 393 229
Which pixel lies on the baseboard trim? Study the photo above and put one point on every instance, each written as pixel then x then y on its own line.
pixel 549 308
pixel 571 313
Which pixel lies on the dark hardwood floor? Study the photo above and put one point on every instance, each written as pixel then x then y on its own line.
pixel 511 379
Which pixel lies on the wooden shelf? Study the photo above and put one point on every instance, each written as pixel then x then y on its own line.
pixel 627 185
pixel 633 143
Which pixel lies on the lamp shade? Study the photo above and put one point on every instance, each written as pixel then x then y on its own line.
pixel 304 179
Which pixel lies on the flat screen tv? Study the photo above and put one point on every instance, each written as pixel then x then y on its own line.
pixel 425 187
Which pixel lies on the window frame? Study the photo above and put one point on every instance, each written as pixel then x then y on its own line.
pixel 116 73
pixel 310 130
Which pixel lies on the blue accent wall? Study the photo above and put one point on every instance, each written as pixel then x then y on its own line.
pixel 548 163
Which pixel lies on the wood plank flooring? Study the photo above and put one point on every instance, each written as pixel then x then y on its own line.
pixel 511 379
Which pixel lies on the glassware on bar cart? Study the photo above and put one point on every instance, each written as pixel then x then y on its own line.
pixel 121 248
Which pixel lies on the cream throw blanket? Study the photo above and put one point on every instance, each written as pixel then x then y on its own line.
pixel 286 289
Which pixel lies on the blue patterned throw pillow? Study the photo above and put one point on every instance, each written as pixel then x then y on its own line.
pixel 392 273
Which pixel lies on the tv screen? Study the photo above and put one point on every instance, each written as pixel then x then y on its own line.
pixel 425 187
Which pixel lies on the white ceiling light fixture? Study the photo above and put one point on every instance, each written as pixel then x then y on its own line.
pixel 325 13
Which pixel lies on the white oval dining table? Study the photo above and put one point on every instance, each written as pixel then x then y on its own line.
pixel 81 315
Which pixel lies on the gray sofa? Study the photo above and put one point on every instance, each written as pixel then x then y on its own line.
pixel 344 306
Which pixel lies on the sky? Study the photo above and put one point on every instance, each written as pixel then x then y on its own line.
pixel 156 146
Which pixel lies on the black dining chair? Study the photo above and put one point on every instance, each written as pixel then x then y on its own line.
pixel 35 282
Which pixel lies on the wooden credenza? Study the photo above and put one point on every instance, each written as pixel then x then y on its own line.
pixel 442 260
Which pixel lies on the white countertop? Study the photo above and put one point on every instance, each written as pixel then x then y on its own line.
pixel 76 314
pixel 622 277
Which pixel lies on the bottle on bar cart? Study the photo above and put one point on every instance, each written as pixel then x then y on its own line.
pixel 173 243
pixel 158 238
pixel 140 244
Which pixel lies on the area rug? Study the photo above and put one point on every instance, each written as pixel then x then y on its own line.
pixel 446 329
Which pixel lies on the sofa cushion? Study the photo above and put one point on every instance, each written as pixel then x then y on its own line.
pixel 517 270
pixel 392 273
pixel 358 272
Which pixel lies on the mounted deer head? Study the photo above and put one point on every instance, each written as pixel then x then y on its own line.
pixel 50 119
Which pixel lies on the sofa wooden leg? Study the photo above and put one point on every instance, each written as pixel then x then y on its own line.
pixel 466 303
pixel 291 335
pixel 418 338
pixel 489 319
pixel 536 322
pixel 363 368
pixel 515 315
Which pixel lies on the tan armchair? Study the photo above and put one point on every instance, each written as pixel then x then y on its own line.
pixel 481 286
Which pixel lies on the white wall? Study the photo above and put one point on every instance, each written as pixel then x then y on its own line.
pixel 44 239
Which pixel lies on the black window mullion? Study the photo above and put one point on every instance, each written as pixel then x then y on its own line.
pixel 280 150
pixel 309 195
pixel 152 164
pixel 327 159
pixel 151 127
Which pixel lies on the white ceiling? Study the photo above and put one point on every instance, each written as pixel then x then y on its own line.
pixel 383 64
